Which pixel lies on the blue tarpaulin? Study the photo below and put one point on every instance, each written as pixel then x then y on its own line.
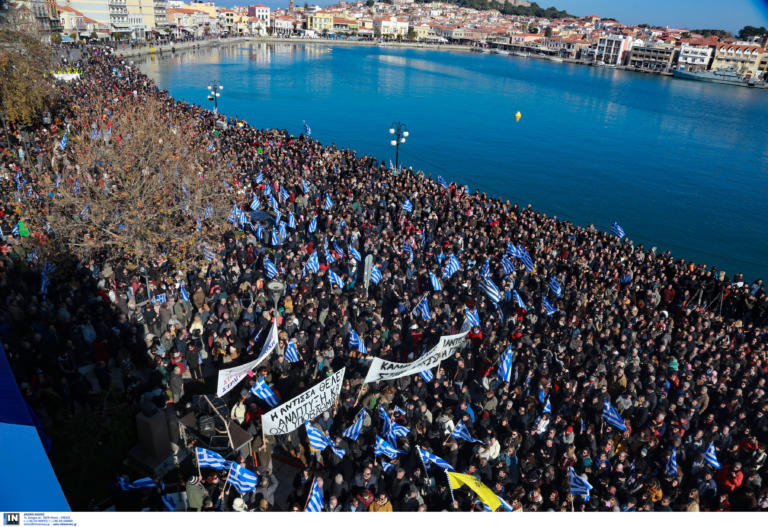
pixel 28 483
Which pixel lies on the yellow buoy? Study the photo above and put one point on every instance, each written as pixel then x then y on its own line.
pixel 518 115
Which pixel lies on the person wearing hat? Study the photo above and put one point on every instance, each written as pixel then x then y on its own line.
pixel 196 493
pixel 238 505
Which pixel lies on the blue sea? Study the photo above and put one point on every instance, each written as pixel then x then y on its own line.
pixel 681 165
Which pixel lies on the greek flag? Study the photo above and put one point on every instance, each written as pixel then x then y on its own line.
pixel 386 422
pixel 275 205
pixel 319 441
pixel 436 285
pixel 259 231
pixel 579 484
pixel 255 203
pixel 208 254
pixel 382 448
pixel 313 224
pixel 490 289
pixel 441 182
pixel 710 456
pixel 15 231
pixel 525 258
pixel 329 257
pixel 306 187
pixel 268 190
pixel 208 459
pixel 505 365
pixel 262 390
pixel 315 502
pixel 388 467
pixel 354 253
pixel 234 215
pixel 328 203
pixel 355 340
pixel 612 417
pixel 63 143
pixel 183 293
pixel 551 310
pixel 291 220
pixel 451 266
pixel 513 251
pixel 422 308
pixel 259 177
pixel 241 478
pixel 427 375
pixel 395 431
pixel 307 129
pixel 333 278
pixel 282 230
pixel 485 271
pixel 291 353
pixel 270 268
pixel 159 299
pixel 275 238
pixel 338 249
pixel 95 134
pixel 672 463
pixel 407 205
pixel 506 265
pixel 461 432
pixel 428 458
pixel 399 410
pixel 472 316
pixel 354 431
pixel 483 506
pixel 313 264
pixel 407 248
pixel 555 287
pixel 375 275
pixel 519 300
pixel 617 230
pixel 284 193
pixel 547 407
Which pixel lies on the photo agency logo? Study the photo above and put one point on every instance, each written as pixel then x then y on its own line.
pixel 11 518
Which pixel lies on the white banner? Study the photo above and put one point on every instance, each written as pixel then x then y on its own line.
pixel 306 406
pixel 229 378
pixel 384 370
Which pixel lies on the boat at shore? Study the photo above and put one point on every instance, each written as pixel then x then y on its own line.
pixel 727 76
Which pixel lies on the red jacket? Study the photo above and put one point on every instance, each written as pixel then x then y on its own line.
pixel 729 482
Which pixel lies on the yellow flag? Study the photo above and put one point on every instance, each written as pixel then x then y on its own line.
pixel 486 495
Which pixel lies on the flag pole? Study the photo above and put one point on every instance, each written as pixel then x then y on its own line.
pixel 199 472
pixel 309 494
pixel 360 392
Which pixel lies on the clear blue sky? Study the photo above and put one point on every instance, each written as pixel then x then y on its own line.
pixel 731 15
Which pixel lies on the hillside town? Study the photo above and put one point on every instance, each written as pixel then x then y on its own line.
pixel 590 39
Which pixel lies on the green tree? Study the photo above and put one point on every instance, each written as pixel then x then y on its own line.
pixel 411 34
pixel 369 3
pixel 548 32
pixel 55 38
pixel 751 31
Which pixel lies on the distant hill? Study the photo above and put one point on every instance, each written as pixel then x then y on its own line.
pixel 508 9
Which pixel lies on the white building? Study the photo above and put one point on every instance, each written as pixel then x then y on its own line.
pixel 612 49
pixel 694 58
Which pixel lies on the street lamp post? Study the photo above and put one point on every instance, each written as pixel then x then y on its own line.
pixel 400 132
pixel 214 93
pixel 276 289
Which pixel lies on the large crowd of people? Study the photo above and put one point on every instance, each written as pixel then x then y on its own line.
pixel 679 349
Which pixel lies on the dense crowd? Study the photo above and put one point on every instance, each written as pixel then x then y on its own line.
pixel 678 349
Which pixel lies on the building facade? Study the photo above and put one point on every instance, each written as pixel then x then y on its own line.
pixel 743 59
pixel 612 49
pixel 655 58
pixel 693 57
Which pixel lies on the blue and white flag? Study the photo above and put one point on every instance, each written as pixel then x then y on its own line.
pixel 95 134
pixel 485 270
pixel 268 190
pixel 422 308
pixel 550 309
pixel 282 230
pixel 354 253
pixel 234 215
pixel 375 275
pixel 291 220
pixel 307 129
pixel 262 390
pixel 382 448
pixel 318 440
pixel 525 258
pixel 407 205
pixel 255 203
pixel 183 293
pixel 427 375
pixel 259 177
pixel 441 182
pixel 612 417
pixel 451 266
pixel 671 467
pixel 356 341
pixel 408 250
pixel 313 264
pixel 395 431
pixel 270 268
pixel 63 143
pixel 386 422
pixel 512 250
pixel 617 230
pixel 291 352
pixel 241 478
pixel 160 299
pixel 354 431
pixel 305 186
pixel 284 194
pixel 328 202
pixel 579 484
pixel 208 459
pixel 315 502
pixel 428 458
pixel 436 285
pixel 519 300
pixel 710 456
pixel 333 278
pixel 461 432
pixel 338 249
pixel 259 231
pixel 329 257
pixel 547 407
pixel 505 365
pixel 275 237
pixel 490 289
pixel 555 287
pixel 507 266
pixel 472 317
pixel 275 205
pixel 313 224
pixel 387 467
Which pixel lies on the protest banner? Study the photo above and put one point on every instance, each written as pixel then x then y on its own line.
pixel 306 406
pixel 229 378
